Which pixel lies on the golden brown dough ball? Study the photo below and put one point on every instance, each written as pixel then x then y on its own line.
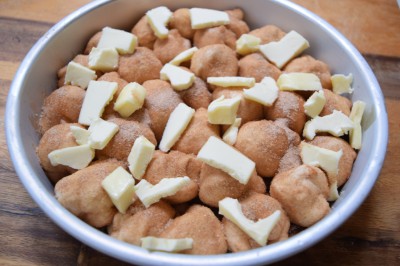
pixel 215 35
pixel 175 164
pixel 236 13
pixel 121 144
pixel 236 24
pixel 140 66
pixel 268 33
pixel 80 59
pixel 82 194
pixel 197 133
pixel 217 60
pixel 61 106
pixel 347 159
pixel 256 66
pixel 255 207
pixel 140 222
pixel 289 107
pixel 292 158
pixel 144 33
pixel 303 194
pixel 197 96
pixel 200 224
pixel 93 42
pixel 308 64
pixel 181 21
pixel 335 102
pixel 166 49
pixel 264 143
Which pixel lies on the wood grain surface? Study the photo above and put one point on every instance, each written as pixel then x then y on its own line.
pixel 370 237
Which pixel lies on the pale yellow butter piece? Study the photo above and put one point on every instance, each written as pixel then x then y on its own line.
pixel 81 135
pixel 103 59
pixel 149 194
pixel 130 99
pixel 231 81
pixel 333 192
pixel 247 44
pixel 223 111
pixel 101 132
pixel 314 105
pixel 124 42
pixel 299 82
pixel 166 244
pixel 356 114
pixel 180 79
pixel 140 156
pixel 205 18
pixel 120 187
pixel 281 52
pixel 158 19
pixel 178 120
pixel 357 111
pixel 183 56
pixel 230 134
pixel 259 231
pixel 79 75
pixel 341 83
pixel 265 92
pixel 218 154
pixel 336 124
pixel 77 157
pixel 98 95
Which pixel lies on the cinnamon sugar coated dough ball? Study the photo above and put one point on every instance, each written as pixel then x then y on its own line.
pixel 113 77
pixel 335 102
pixel 171 165
pixel 93 42
pixel 215 35
pixel 120 145
pixel 236 24
pixel 292 158
pixel 268 33
pixel 256 66
pixel 166 49
pixel 139 221
pixel 256 206
pixel 181 21
pixel 264 143
pixel 57 137
pixel 289 107
pixel 303 194
pixel 144 33
pixel 216 60
pixel 200 224
pixel 347 159
pixel 140 66
pixel 61 106
pixel 80 59
pixel 82 194
pixel 197 96
pixel 197 133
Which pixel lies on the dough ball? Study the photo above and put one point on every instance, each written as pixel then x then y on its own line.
pixel 335 102
pixel 93 42
pixel 235 13
pixel 256 66
pixel 166 49
pixel 215 35
pixel 144 33
pixel 236 24
pixel 197 96
pixel 268 33
pixel 181 21
pixel 113 77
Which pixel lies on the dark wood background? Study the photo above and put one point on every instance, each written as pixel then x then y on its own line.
pixel 370 237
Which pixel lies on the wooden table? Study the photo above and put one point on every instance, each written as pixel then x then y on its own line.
pixel 370 237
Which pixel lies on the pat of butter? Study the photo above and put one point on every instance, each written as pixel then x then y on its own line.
pixel 264 93
pixel 281 52
pixel 120 187
pixel 101 132
pixel 336 124
pixel 77 157
pixel 341 83
pixel 166 244
pixel 103 59
pixel 130 99
pixel 356 114
pixel 206 18
pixel 98 95
pixel 230 134
pixel 247 44
pixel 183 56
pixel 218 154
pixel 333 192
pixel 140 156
pixel 231 81
pixel 299 82
pixel 223 111
pixel 357 111
pixel 81 135
pixel 180 79
pixel 79 75
pixel 149 194
pixel 178 120
pixel 158 19
pixel 314 105
pixel 259 231
pixel 124 42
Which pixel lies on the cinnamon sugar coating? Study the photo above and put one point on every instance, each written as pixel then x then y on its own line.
pixel 181 21
pixel 268 33
pixel 256 66
pixel 197 96
pixel 215 35
pixel 144 33
pixel 166 49
pixel 93 42
pixel 335 102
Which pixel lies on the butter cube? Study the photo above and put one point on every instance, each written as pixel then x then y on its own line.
pixel 299 82
pixel 158 19
pixel 124 42
pixel 356 114
pixel 357 111
pixel 79 75
pixel 205 18
pixel 231 81
pixel 120 187
pixel 230 134
pixel 184 56
pixel 333 192
pixel 166 244
pixel 218 154
pixel 223 111
pixel 264 93
pixel 180 79
pixel 314 105
pixel 98 95
pixel 77 157
pixel 247 44
pixel 101 132
pixel 178 120
pixel 103 59
pixel 259 231
pixel 341 83
pixel 81 135
pixel 130 99
pixel 140 156
pixel 281 52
